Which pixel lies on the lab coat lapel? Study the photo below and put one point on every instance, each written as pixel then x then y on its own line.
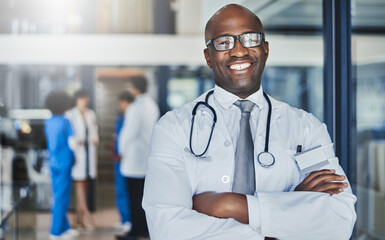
pixel 221 127
pixel 259 141
pixel 80 124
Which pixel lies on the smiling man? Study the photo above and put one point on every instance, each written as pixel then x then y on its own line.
pixel 224 167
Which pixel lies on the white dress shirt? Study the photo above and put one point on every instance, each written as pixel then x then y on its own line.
pixel 175 175
pixel 134 139
pixel 232 113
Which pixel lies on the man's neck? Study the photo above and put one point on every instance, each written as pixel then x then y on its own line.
pixel 242 95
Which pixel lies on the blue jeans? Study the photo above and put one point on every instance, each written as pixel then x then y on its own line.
pixel 121 195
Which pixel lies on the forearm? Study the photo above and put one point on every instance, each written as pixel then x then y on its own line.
pixel 222 205
pixel 184 223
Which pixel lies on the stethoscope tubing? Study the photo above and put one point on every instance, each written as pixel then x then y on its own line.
pixel 206 104
pixel 267 122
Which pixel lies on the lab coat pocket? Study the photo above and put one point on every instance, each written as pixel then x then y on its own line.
pixel 195 167
pixel 276 177
pixel 294 176
pixel 210 173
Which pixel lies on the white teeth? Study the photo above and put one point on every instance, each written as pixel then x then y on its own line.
pixel 240 66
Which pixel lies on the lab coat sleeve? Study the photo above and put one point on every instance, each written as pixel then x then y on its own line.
pixel 71 137
pixel 130 128
pixel 306 215
pixel 94 127
pixel 75 139
pixel 168 195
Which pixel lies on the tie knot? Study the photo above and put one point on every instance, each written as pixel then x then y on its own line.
pixel 245 105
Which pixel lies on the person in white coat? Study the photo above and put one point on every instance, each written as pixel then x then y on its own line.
pixel 85 128
pixel 191 193
pixel 134 144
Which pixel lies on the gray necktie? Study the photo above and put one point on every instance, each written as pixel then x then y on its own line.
pixel 244 173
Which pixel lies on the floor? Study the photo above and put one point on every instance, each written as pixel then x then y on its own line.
pixel 35 225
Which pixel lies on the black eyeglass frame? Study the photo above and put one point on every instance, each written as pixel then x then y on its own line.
pixel 211 41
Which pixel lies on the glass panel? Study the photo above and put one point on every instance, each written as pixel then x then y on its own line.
pixel 181 91
pixel 301 87
pixel 187 83
pixel 368 51
pixel 294 74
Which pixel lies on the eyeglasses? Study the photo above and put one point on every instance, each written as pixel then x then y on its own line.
pixel 227 42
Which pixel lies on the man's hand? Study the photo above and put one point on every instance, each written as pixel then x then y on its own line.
pixel 222 205
pixel 325 181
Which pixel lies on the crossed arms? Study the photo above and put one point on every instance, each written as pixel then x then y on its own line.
pixel 317 208
pixel 234 205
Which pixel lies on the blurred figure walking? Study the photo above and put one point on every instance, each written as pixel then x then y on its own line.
pixel 134 144
pixel 121 190
pixel 84 172
pixel 60 140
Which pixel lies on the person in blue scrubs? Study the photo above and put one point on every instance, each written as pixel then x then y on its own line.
pixel 58 133
pixel 122 198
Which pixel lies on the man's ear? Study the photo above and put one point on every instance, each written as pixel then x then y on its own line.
pixel 266 47
pixel 207 57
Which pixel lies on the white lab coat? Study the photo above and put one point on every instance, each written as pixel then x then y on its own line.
pixel 79 129
pixel 174 175
pixel 134 139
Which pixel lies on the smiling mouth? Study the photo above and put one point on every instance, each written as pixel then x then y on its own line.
pixel 239 66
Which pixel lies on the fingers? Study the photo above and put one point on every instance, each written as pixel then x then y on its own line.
pixel 334 191
pixel 323 181
pixel 331 187
pixel 317 173
pixel 325 178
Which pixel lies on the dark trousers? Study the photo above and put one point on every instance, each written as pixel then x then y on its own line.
pixel 135 188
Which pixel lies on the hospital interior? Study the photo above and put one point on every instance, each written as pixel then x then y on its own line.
pixel 98 45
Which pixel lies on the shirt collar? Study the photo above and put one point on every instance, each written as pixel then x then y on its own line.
pixel 141 96
pixel 227 99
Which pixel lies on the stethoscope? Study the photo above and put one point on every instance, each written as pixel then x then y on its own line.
pixel 265 158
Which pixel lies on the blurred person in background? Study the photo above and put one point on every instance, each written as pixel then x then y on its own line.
pixel 125 99
pixel 84 172
pixel 60 140
pixel 134 141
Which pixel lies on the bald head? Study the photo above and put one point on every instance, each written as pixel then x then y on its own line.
pixel 227 18
pixel 238 69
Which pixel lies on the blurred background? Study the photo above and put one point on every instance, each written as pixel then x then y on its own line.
pixel 97 45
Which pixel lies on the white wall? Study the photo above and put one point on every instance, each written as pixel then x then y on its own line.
pixel 151 50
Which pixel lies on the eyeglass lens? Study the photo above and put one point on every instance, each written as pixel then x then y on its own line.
pixel 248 40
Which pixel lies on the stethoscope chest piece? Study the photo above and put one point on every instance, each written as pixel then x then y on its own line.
pixel 266 159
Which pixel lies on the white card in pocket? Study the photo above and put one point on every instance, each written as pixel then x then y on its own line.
pixel 311 159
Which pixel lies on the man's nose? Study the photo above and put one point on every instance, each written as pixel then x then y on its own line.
pixel 238 50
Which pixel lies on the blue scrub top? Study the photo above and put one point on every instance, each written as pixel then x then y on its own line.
pixel 118 127
pixel 57 131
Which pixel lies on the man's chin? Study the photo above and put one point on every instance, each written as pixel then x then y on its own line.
pixel 242 83
pixel 244 91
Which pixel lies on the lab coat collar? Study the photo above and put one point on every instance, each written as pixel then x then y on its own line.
pixel 261 131
pixel 275 103
pixel 227 99
pixel 141 96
